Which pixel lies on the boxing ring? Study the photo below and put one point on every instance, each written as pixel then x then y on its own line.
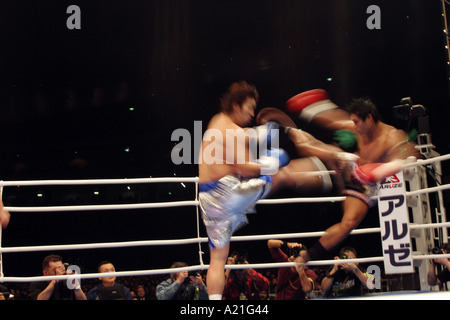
pixel 197 239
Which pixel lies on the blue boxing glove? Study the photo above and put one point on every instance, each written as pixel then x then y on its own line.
pixel 275 159
pixel 267 135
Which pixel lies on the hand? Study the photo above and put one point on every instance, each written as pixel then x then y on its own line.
pixel 349 267
pixel 300 262
pixel 439 260
pixel 73 283
pixel 197 280
pixel 300 267
pixel 230 260
pixel 181 276
pixel 335 266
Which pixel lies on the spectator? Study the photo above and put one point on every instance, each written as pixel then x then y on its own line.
pixel 55 289
pixel 292 283
pixel 436 277
pixel 108 289
pixel 345 279
pixel 141 293
pixel 182 286
pixel 244 284
pixel 5 294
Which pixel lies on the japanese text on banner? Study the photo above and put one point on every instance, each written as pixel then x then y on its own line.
pixel 394 223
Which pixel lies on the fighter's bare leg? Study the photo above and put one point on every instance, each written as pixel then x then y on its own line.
pixel 354 212
pixel 315 107
pixel 306 146
pixel 215 277
pixel 303 175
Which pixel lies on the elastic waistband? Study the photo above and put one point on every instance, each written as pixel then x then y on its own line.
pixel 204 187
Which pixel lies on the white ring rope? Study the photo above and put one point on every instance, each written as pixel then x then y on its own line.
pixel 204 267
pixel 195 203
pixel 104 207
pixel 192 240
pixel 199 239
pixel 94 181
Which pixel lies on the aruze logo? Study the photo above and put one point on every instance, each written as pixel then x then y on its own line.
pixel 391 183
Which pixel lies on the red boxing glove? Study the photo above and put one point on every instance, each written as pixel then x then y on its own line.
pixel 373 172
pixel 366 173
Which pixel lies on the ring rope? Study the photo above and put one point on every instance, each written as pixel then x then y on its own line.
pixel 95 181
pixel 422 162
pixel 104 207
pixel 200 239
pixel 196 202
pixel 204 267
pixel 161 180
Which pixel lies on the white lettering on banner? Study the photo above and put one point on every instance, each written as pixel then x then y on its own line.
pixel 394 223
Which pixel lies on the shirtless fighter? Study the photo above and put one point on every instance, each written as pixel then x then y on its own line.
pixel 232 178
pixel 381 151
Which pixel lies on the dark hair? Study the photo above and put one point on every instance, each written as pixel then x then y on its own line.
pixel 177 265
pixel 48 259
pixel 345 249
pixel 237 93
pixel 362 107
pixel 102 263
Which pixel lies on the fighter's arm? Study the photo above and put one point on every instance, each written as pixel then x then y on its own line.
pixel 400 146
pixel 248 163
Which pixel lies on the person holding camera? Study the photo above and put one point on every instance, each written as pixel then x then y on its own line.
pixel 52 265
pixel 244 284
pixel 344 279
pixel 292 283
pixel 435 276
pixel 182 285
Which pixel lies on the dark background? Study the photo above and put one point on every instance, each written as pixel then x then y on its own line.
pixel 65 99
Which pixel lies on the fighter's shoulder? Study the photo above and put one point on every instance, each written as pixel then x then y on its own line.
pixel 221 122
pixel 394 135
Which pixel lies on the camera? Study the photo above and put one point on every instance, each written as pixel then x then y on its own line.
pixel 294 252
pixel 343 256
pixel 194 273
pixel 437 250
pixel 240 257
pixel 406 111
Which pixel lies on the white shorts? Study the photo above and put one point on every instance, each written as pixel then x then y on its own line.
pixel 225 203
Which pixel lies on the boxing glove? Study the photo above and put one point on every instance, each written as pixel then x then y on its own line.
pixel 267 135
pixel 373 172
pixel 275 159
